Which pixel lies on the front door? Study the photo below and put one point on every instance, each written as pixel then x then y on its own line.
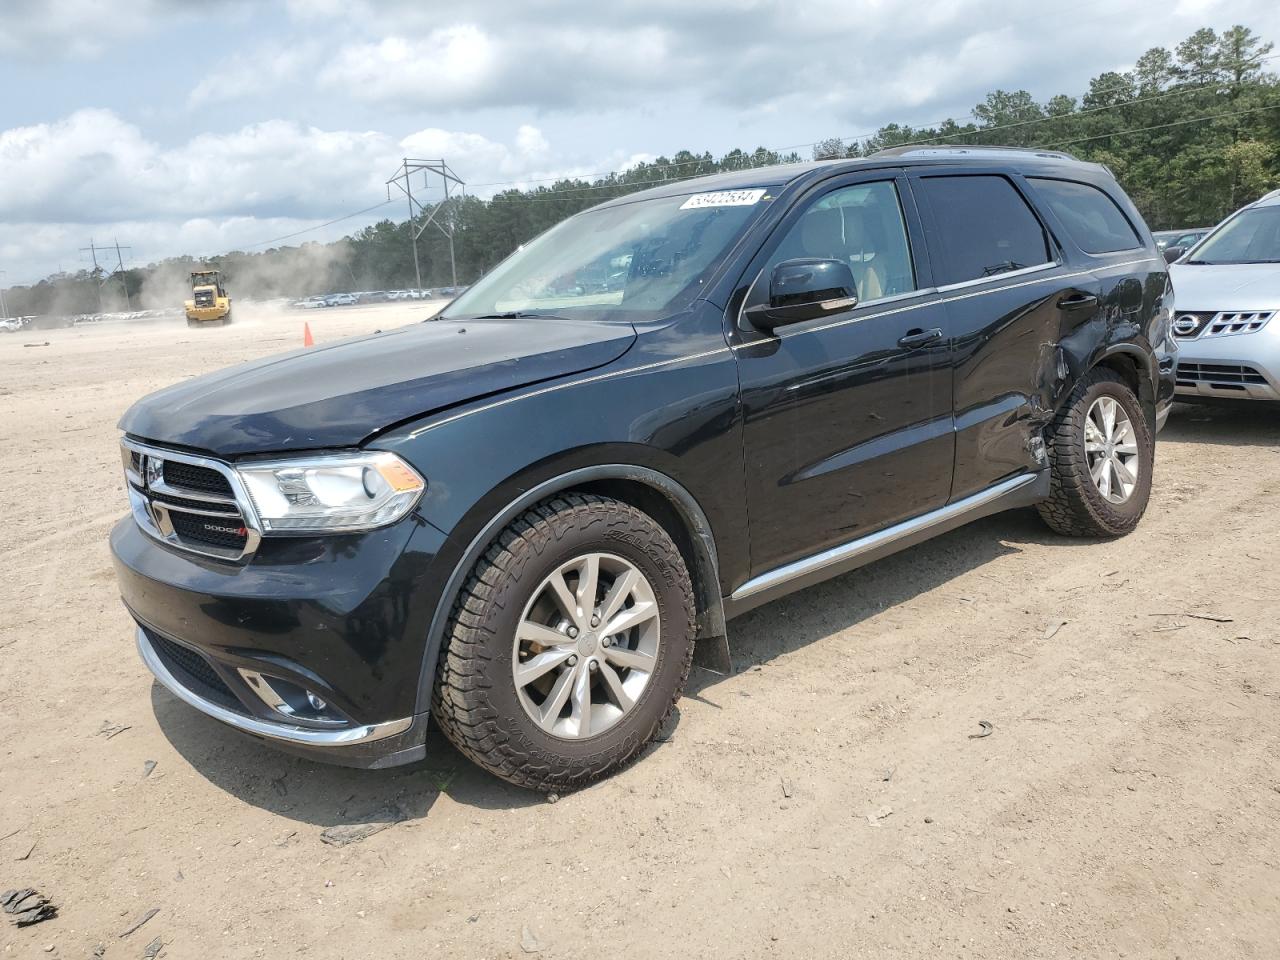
pixel 848 418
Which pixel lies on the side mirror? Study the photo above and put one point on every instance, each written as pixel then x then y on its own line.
pixel 805 289
pixel 1173 253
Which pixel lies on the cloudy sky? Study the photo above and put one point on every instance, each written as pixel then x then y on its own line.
pixel 196 126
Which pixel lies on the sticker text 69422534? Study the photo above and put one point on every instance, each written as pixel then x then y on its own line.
pixel 723 198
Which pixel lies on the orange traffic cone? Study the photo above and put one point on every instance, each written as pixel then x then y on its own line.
pixel 307 339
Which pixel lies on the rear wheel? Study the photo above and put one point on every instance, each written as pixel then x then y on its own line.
pixel 569 646
pixel 1101 454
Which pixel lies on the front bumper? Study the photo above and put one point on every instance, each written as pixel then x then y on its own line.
pixel 302 739
pixel 344 618
pixel 1235 367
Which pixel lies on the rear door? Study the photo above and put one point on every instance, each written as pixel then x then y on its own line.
pixel 847 418
pixel 1006 287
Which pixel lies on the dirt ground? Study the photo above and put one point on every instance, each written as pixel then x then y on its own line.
pixel 825 800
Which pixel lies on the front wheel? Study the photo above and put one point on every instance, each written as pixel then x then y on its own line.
pixel 569 645
pixel 1101 454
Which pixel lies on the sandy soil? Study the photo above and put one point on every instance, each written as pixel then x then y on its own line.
pixel 826 800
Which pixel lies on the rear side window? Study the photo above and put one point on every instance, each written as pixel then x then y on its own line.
pixel 985 228
pixel 1090 216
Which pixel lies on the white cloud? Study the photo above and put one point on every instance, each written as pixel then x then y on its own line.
pixel 245 75
pixel 456 65
pixel 81 29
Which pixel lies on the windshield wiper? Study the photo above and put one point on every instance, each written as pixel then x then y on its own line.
pixel 510 315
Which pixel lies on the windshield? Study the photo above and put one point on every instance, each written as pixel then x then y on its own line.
pixel 1253 236
pixel 635 261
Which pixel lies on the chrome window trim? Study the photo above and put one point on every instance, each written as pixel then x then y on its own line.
pixel 996 277
pixel 264 728
pixel 800 329
pixel 152 516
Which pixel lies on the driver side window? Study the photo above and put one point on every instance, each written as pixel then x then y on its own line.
pixel 861 225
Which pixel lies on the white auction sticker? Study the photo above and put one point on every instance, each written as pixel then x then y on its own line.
pixel 723 198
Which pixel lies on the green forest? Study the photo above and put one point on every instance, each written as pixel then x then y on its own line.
pixel 1192 133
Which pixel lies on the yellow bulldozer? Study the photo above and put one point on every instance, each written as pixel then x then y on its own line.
pixel 209 302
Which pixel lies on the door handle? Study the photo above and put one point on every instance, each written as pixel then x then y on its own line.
pixel 920 338
pixel 1077 301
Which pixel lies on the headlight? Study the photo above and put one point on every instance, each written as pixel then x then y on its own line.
pixel 331 494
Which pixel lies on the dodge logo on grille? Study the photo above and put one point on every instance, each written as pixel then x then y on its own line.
pixel 215 528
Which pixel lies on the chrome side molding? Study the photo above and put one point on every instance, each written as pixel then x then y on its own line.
pixel 881 538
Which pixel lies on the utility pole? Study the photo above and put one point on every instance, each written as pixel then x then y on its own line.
pixel 443 215
pixel 124 281
pixel 4 310
pixel 96 270
pixel 102 277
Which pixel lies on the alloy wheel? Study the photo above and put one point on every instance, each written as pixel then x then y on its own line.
pixel 1110 445
pixel 586 646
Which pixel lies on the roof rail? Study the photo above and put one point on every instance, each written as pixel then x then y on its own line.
pixel 921 151
pixel 1268 197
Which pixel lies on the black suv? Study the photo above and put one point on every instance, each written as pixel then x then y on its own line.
pixel 520 517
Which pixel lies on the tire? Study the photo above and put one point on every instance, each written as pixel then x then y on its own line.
pixel 477 700
pixel 1077 505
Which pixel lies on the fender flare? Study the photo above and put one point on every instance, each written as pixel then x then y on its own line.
pixel 712 630
pixel 1148 368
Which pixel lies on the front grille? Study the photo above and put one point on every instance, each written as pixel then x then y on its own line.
pixel 193 477
pixel 1219 324
pixel 1221 376
pixel 169 500
pixel 228 532
pixel 188 502
pixel 194 672
pixel 204 299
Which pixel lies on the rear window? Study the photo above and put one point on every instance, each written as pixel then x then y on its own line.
pixel 1089 214
pixel 984 227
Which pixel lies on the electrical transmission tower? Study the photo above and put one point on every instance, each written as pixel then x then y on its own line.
pixel 443 215
pixel 102 276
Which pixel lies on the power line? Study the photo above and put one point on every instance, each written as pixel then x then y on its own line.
pixel 1162 126
pixel 318 226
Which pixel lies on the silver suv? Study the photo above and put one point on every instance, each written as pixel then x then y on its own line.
pixel 1228 299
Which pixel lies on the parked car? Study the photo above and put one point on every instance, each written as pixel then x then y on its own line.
pixel 519 519
pixel 1228 290
pixel 341 300
pixel 1182 239
pixel 10 324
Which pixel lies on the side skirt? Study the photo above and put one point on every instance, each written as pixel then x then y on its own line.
pixel 1020 491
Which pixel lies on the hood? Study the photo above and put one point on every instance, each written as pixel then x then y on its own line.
pixel 1226 286
pixel 340 394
